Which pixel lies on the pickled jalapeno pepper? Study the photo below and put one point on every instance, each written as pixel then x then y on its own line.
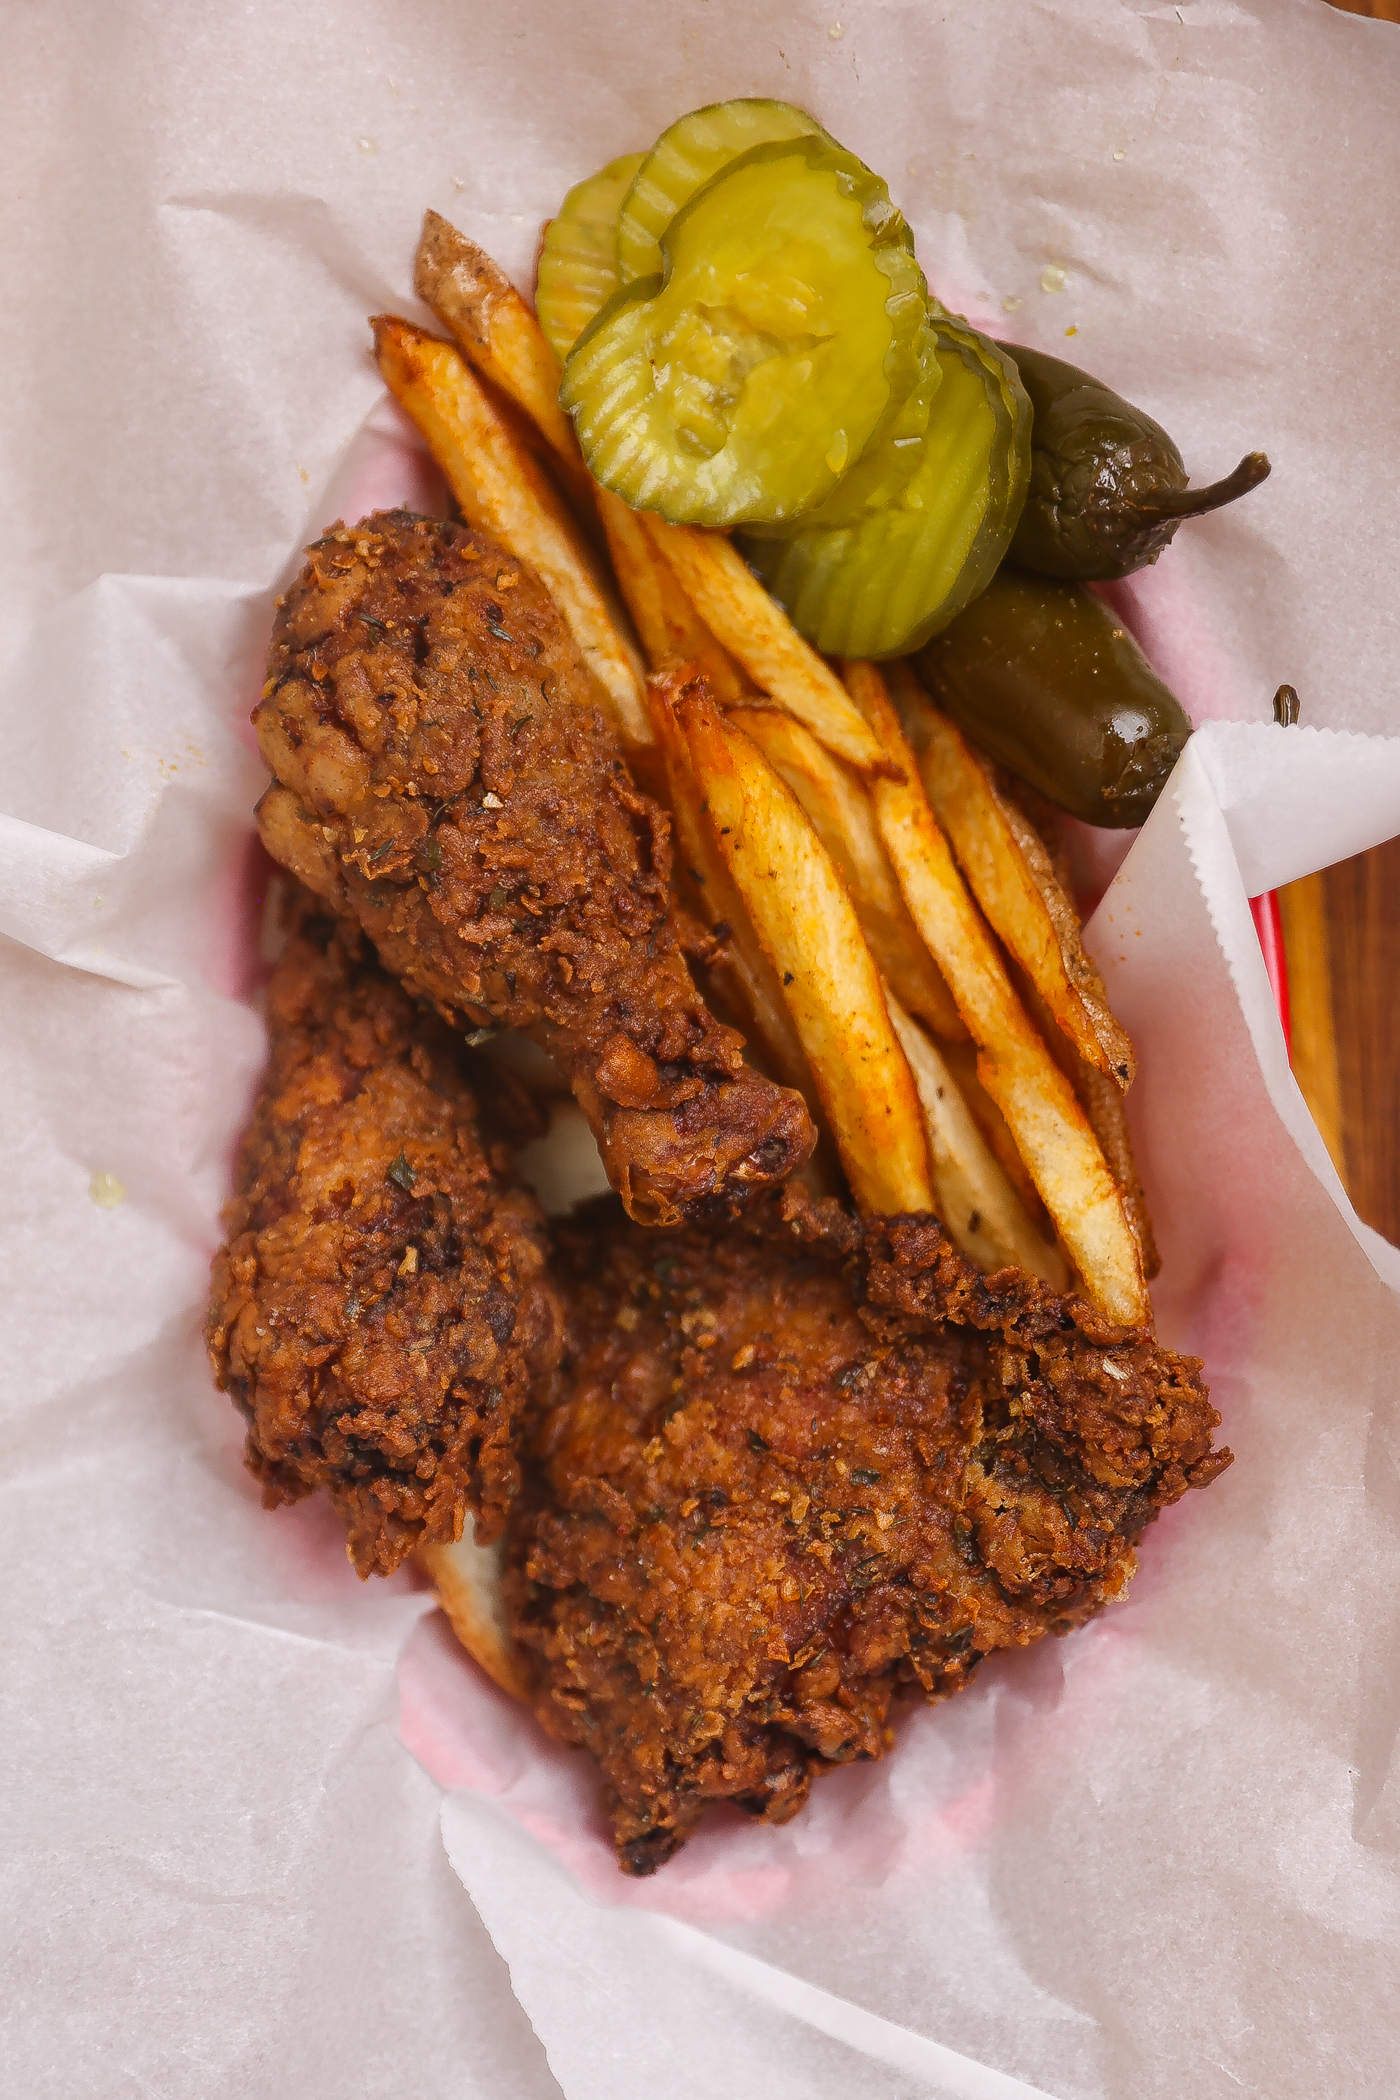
pixel 1108 487
pixel 787 328
pixel 1049 682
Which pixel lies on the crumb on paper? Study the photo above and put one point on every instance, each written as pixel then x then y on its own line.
pixel 106 1191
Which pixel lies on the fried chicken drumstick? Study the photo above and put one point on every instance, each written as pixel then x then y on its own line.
pixel 381 1307
pixel 806 1465
pixel 444 777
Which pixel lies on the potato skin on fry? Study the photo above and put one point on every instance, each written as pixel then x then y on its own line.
pixel 469 291
pixel 446 780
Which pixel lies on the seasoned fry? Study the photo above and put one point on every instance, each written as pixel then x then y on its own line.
pixel 1038 1102
pixel 502 491
pixel 497 329
pixel 754 629
pixel 840 811
pixel 961 1060
pixel 973 1197
pixel 1102 1103
pixel 467 1578
pixel 1010 874
pixel 706 889
pixel 810 932
pixel 671 630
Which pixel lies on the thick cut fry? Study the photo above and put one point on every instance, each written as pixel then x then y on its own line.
pixel 810 932
pixel 503 492
pixel 1102 1103
pixel 707 890
pixel 1010 874
pixel 836 801
pixel 973 1197
pixel 756 631
pixel 961 1060
pixel 497 329
pixel 1050 1128
pixel 671 630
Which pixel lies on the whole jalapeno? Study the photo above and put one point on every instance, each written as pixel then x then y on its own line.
pixel 1046 680
pixel 1108 487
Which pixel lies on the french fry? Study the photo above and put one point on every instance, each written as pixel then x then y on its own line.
pixel 1102 1103
pixel 961 1060
pixel 757 632
pixel 707 889
pixel 1010 874
pixel 1051 1130
pixel 502 491
pixel 973 1197
pixel 840 811
pixel 671 630
pixel 811 935
pixel 498 331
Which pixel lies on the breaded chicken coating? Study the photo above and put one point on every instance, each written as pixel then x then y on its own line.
pixel 799 1468
pixel 446 779
pixel 381 1308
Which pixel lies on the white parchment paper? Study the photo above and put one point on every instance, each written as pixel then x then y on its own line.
pixel 1156 1859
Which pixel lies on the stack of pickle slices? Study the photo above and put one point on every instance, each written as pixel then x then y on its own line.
pixel 748 342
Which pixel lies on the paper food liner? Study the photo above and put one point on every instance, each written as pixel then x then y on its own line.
pixel 1156 1858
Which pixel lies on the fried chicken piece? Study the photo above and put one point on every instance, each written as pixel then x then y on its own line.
pixel 801 1468
pixel 381 1306
pixel 446 779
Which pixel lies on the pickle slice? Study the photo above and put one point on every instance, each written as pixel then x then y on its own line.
pixel 887 463
pixel 743 382
pixel 578 260
pixel 882 585
pixel 684 159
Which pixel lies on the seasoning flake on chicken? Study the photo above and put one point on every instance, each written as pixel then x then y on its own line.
pixel 381 1310
pixel 802 1467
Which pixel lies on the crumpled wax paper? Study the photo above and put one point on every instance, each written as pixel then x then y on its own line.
pixel 1158 1858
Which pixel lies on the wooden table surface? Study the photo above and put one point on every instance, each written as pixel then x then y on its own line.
pixel 1342 940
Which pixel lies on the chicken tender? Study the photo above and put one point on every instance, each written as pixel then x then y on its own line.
pixel 381 1308
pixel 805 1467
pixel 446 779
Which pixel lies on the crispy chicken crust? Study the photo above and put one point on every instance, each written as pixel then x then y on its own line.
pixel 381 1305
pixel 805 1466
pixel 445 778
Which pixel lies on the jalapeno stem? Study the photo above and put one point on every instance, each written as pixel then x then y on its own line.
pixel 1194 503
